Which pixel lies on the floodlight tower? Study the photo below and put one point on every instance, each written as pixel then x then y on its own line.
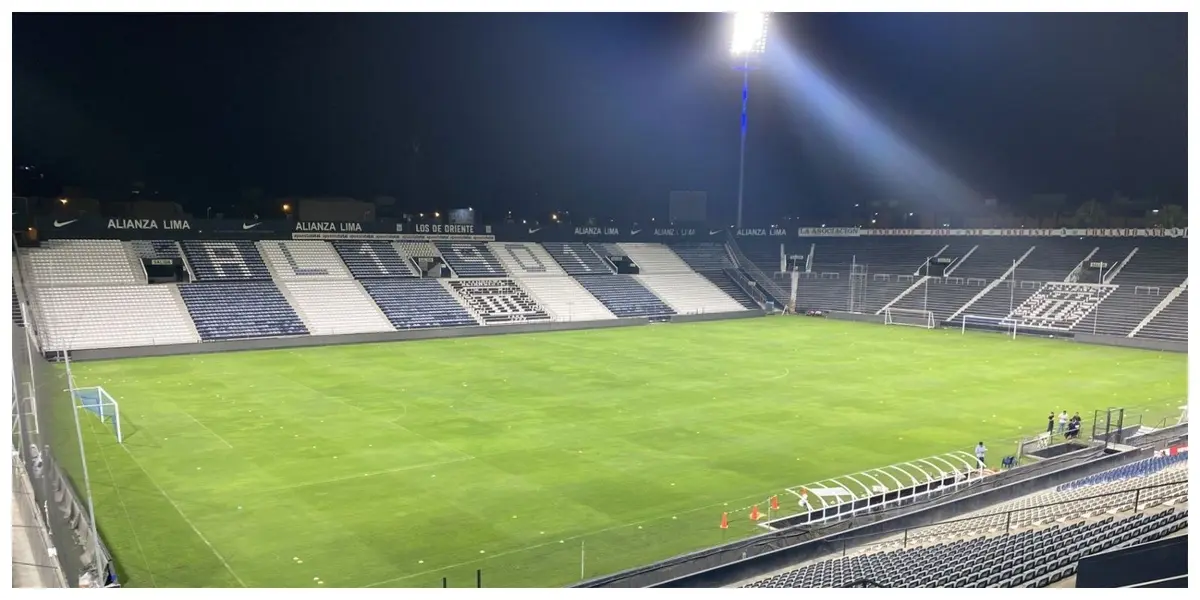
pixel 747 46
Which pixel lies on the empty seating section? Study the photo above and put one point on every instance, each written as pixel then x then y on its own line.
pixel 370 259
pixel 418 249
pixel 228 310
pixel 565 299
pixel 81 262
pixel 577 258
pixel 526 259
pixel 873 254
pixel 1028 559
pixel 1040 540
pixel 498 300
pixel 78 318
pixel 1059 305
pixel 940 296
pixel 335 306
pixel 624 296
pixel 654 258
pixel 16 307
pixel 704 257
pixel 726 283
pixel 226 259
pixel 1170 323
pixel 155 248
pixel 1158 267
pixel 689 293
pixel 417 303
pixel 302 259
pixel 470 259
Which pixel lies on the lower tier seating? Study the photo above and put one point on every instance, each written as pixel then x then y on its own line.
pixel 112 317
pixel 689 293
pixel 498 301
pixel 565 299
pixel 940 296
pixel 229 310
pixel 725 283
pixel 624 296
pixel 16 317
pixel 1170 323
pixel 417 303
pixel 331 307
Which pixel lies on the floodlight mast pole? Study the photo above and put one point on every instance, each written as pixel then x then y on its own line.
pixel 745 67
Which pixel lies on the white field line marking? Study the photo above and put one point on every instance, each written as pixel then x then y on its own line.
pixel 370 474
pixel 189 521
pixel 786 372
pixel 205 427
pixel 125 509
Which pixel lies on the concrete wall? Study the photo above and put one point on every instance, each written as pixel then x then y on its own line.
pixel 1141 343
pixel 388 336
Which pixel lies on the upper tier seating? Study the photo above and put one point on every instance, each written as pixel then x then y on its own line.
pixel 417 303
pixel 81 262
pixel 498 301
pixel 1141 468
pixel 303 259
pixel 418 249
pixel 335 306
pixel 654 258
pixel 225 259
pixel 873 254
pixel 624 296
pixel 228 310
pixel 471 259
pixel 524 259
pixel 689 293
pixel 371 258
pixel 704 256
pixel 577 258
pixel 565 299
pixel 1170 323
pixel 79 318
pixel 1051 260
pixel 155 249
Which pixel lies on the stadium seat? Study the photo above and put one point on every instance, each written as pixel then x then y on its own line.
pixel 417 303
pixel 226 310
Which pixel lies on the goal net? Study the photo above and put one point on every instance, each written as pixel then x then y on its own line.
pixel 909 316
pixel 97 401
pixel 1003 325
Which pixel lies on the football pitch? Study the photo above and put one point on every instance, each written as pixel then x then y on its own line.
pixel 542 458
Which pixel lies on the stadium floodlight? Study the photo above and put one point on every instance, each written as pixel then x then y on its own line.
pixel 749 41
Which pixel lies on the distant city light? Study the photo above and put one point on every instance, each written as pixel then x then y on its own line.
pixel 436 214
pixel 749 33
pixel 63 201
pixel 287 208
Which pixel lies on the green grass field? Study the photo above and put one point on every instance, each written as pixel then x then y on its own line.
pixel 399 464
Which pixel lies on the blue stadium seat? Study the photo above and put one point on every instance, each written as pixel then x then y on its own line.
pixel 417 303
pixel 471 259
pixel 226 259
pixel 370 258
pixel 577 258
pixel 624 296
pixel 229 310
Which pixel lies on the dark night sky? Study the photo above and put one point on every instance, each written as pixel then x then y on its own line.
pixel 594 113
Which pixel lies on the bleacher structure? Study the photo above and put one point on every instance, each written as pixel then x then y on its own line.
pixel 236 289
pixel 1034 541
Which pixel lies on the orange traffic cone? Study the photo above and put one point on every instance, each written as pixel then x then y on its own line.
pixel 774 502
pixel 724 520
pixel 754 516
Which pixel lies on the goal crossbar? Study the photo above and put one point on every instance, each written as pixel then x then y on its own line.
pixel 910 317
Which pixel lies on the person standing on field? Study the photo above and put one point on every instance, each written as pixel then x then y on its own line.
pixel 1050 424
pixel 981 452
pixel 1062 422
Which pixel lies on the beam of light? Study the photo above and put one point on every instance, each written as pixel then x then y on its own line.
pixel 749 33
pixel 888 156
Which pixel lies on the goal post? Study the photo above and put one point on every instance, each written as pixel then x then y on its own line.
pixel 910 317
pixel 979 322
pixel 98 402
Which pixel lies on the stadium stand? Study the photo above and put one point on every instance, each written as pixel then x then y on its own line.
pixel 82 263
pixel 212 260
pixel 991 552
pixel 302 259
pixel 470 259
pixel 335 306
pixel 112 317
pixel 155 249
pixel 712 261
pixel 369 259
pixel 988 259
pixel 1050 261
pixel 653 258
pixel 1059 305
pixel 497 301
pixel 226 310
pixel 1157 267
pixel 671 279
pixel 1170 323
pixel 541 276
pixel 418 249
pixel 417 303
pixel 16 308
pixel 577 258
pixel 624 296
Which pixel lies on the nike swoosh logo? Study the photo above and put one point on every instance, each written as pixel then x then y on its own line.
pixel 58 223
pixel 635 232
pixel 250 226
pixel 711 232
pixel 535 230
